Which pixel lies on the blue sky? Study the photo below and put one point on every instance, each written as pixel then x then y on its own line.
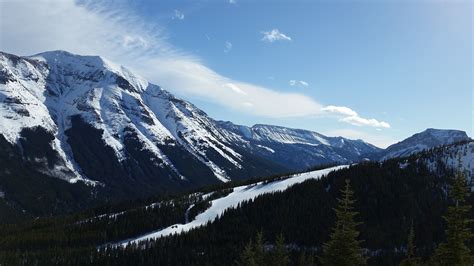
pixel 376 70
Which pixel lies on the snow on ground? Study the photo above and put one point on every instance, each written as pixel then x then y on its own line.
pixel 240 194
pixel 266 148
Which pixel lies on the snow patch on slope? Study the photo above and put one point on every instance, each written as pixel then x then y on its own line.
pixel 239 194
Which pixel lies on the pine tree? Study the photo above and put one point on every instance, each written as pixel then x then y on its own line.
pixel 411 260
pixel 310 260
pixel 343 248
pixel 259 252
pixel 454 250
pixel 302 259
pixel 247 258
pixel 279 256
pixel 305 259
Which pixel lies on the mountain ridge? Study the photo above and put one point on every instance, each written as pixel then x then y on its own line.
pixel 120 104
pixel 84 118
pixel 426 139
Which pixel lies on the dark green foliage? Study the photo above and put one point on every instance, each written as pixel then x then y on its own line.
pixel 411 259
pixel 455 250
pixel 279 255
pixel 343 248
pixel 247 258
pixel 392 198
pixel 259 249
pixel 255 254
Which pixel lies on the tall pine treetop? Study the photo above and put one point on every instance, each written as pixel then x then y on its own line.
pixel 343 248
pixel 455 250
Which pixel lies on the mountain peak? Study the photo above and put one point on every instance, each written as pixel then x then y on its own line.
pixel 444 132
pixel 426 139
pixel 65 57
pixel 89 67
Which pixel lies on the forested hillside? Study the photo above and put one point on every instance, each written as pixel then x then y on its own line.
pixel 390 197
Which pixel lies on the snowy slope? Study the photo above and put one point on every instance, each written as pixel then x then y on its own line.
pixel 457 156
pixel 239 194
pixel 52 87
pixel 299 148
pixel 427 139
pixel 48 89
pixel 101 115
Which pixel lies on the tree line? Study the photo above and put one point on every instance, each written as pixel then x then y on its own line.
pixel 297 225
pixel 344 246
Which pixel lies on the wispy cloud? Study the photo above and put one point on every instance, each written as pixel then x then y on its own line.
pixel 127 40
pixel 235 88
pixel 233 2
pixel 298 83
pixel 352 117
pixel 342 110
pixel 178 15
pixel 359 121
pixel 274 35
pixel 227 47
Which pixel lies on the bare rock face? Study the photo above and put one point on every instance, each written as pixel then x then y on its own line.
pixel 108 126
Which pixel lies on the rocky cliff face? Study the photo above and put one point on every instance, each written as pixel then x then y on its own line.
pixel 83 118
pixel 427 139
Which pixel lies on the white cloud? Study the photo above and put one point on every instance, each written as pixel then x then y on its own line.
pixel 359 121
pixel 274 35
pixel 298 83
pixel 353 118
pixel 125 39
pixel 304 83
pixel 235 88
pixel 340 110
pixel 178 15
pixel 227 47
pixel 232 2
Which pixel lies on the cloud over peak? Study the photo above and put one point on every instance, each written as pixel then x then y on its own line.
pixel 127 40
pixel 352 117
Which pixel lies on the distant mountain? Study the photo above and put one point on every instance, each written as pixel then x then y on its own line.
pixel 391 196
pixel 113 135
pixel 297 148
pixel 454 156
pixel 427 139
pixel 85 119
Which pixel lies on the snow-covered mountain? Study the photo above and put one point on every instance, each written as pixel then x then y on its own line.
pixel 84 118
pixel 298 148
pixel 459 156
pixel 427 139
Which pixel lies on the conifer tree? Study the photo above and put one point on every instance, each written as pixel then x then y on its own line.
pixel 279 256
pixel 305 259
pixel 343 248
pixel 302 259
pixel 310 260
pixel 247 258
pixel 454 251
pixel 411 260
pixel 259 251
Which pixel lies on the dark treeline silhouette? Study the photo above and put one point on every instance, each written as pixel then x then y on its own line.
pixel 390 198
